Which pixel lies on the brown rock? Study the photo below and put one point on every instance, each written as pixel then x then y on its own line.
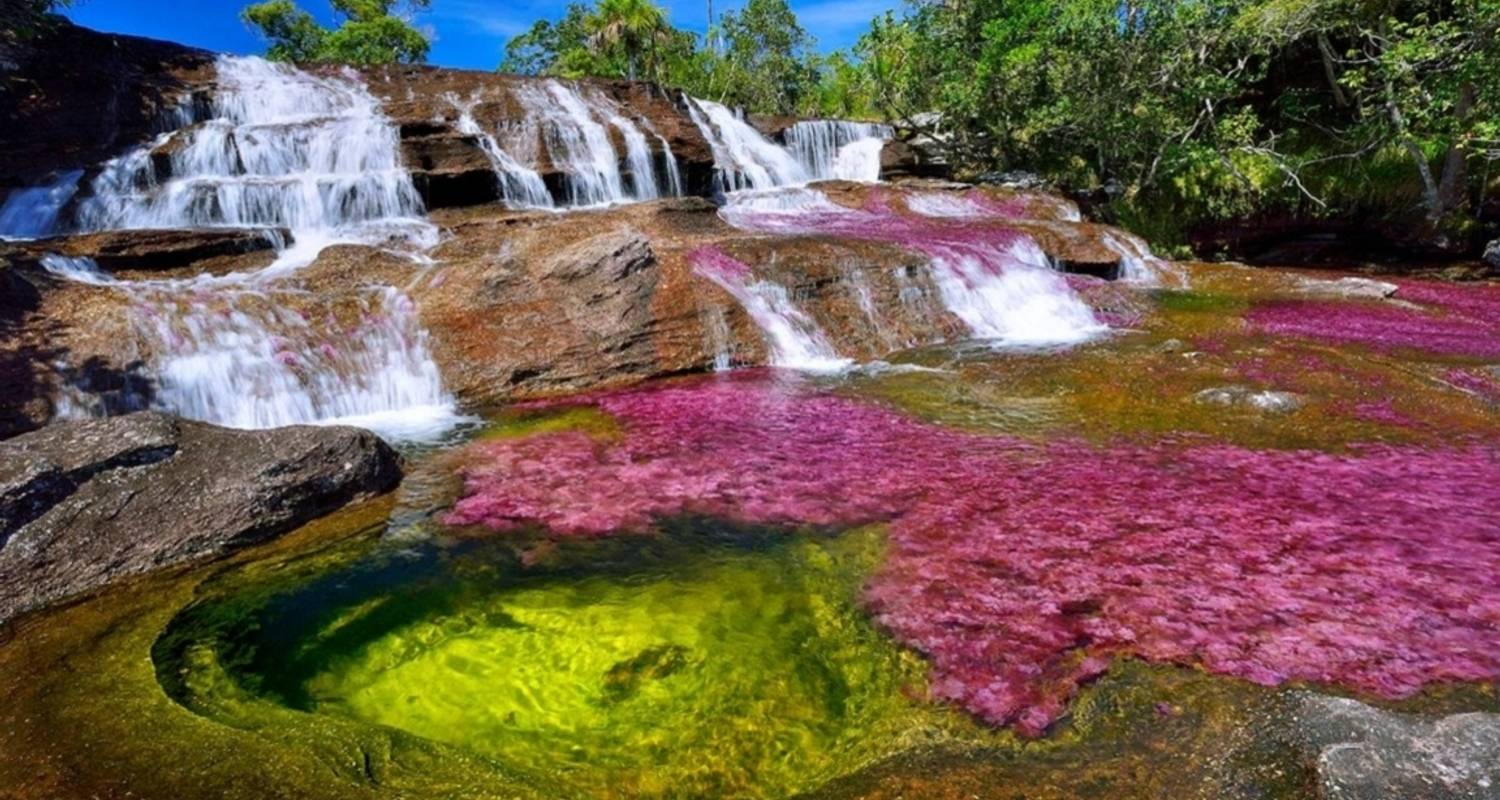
pixel 163 250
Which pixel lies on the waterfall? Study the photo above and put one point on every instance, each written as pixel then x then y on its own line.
pixel 643 180
pixel 833 149
pixel 283 148
pixel 996 280
pixel 32 213
pixel 260 356
pixel 744 158
pixel 674 174
pixel 794 338
pixel 1137 264
pixel 576 133
pixel 520 185
pixel 280 148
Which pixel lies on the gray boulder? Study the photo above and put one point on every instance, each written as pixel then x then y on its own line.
pixel 1363 753
pixel 1492 255
pixel 85 503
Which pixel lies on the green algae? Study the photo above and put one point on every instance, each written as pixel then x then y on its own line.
pixel 147 690
pixel 700 662
pixel 511 424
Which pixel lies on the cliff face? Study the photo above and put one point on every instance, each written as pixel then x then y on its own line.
pixel 76 97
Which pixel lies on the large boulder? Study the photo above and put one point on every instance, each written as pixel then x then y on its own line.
pixel 1492 255
pixel 86 503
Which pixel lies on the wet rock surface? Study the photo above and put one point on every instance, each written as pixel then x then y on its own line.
pixel 158 250
pixel 86 503
pixel 1363 753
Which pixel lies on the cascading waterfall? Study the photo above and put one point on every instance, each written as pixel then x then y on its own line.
pixel 674 173
pixel 794 338
pixel 744 158
pixel 33 213
pixel 281 149
pixel 256 355
pixel 999 283
pixel 576 133
pixel 834 149
pixel 520 185
pixel 284 149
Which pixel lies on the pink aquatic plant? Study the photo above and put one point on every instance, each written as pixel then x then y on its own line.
pixel 1484 384
pixel 1021 569
pixel 1451 319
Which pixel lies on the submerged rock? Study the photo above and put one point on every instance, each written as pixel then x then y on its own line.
pixel 1349 287
pixel 86 503
pixel 1244 396
pixel 1364 753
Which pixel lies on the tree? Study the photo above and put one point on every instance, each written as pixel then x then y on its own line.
pixel 629 32
pixel 370 32
pixel 24 19
pixel 768 64
pixel 540 50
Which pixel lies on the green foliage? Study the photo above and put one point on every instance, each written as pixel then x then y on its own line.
pixel 760 59
pixel 371 33
pixel 1210 109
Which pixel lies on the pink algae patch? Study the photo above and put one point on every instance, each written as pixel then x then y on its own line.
pixel 1451 319
pixel 1021 568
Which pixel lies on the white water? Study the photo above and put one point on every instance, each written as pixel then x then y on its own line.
pixel 283 149
pixel 674 173
pixel 1137 264
pixel 260 356
pixel 744 158
pixel 795 340
pixel 946 205
pixel 1007 294
pixel 575 130
pixel 520 185
pixel 32 213
pixel 1011 296
pixel 834 149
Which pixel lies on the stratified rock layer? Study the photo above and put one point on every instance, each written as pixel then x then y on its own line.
pixel 86 503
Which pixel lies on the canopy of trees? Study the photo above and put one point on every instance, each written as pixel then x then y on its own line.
pixel 1211 108
pixel 759 58
pixel 370 33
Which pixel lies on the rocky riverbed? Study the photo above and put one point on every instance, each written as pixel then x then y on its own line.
pixel 442 463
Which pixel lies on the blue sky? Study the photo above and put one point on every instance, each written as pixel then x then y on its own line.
pixel 468 33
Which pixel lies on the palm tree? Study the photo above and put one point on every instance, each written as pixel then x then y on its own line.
pixel 636 26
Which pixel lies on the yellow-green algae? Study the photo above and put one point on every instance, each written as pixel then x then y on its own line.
pixel 87 716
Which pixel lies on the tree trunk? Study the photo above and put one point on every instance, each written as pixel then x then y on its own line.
pixel 1429 184
pixel 1450 192
pixel 1330 72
